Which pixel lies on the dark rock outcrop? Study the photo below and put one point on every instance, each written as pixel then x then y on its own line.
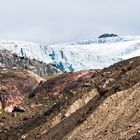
pixel 12 61
pixel 107 35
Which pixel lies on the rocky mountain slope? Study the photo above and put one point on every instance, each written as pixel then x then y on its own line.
pixel 101 104
pixel 12 61
pixel 15 86
pixel 81 55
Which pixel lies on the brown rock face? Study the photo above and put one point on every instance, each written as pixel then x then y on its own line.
pixel 93 105
pixel 113 113
pixel 116 118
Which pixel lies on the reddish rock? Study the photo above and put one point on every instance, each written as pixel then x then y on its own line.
pixel 15 86
pixel 66 81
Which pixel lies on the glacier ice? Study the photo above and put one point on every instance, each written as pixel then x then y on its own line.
pixel 80 55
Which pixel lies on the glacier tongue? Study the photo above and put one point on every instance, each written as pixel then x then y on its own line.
pixel 76 56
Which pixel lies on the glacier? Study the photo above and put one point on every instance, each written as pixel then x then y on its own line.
pixel 81 55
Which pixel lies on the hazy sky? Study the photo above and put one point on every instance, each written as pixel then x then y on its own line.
pixel 56 21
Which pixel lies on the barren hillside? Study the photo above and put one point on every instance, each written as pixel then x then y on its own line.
pixel 84 105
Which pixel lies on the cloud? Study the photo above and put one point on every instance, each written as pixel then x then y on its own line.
pixel 58 21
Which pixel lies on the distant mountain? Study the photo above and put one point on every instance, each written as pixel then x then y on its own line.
pixel 82 55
